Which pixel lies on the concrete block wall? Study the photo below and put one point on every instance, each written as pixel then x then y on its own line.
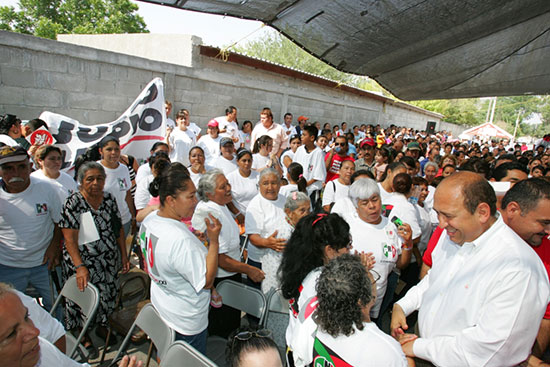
pixel 96 86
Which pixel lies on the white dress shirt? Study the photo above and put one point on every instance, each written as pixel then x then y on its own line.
pixel 481 303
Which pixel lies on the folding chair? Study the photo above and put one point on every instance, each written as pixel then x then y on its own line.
pixel 276 317
pixel 180 353
pixel 88 301
pixel 242 297
pixel 156 329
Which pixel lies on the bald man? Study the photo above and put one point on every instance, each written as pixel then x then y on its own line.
pixel 483 300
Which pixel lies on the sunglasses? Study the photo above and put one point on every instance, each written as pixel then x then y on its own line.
pixel 247 335
pixel 340 144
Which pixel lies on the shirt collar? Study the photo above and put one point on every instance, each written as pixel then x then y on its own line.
pixel 496 226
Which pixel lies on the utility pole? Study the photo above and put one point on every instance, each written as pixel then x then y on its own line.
pixel 493 110
pixel 517 123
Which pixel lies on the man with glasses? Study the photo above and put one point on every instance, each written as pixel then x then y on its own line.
pixel 334 158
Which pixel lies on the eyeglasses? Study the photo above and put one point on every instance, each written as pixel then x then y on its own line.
pixel 340 144
pixel 374 276
pixel 247 335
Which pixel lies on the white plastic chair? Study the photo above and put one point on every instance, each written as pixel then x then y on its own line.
pixel 88 301
pixel 156 329
pixel 182 354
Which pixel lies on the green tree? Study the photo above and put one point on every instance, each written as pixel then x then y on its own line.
pixel 276 48
pixel 47 18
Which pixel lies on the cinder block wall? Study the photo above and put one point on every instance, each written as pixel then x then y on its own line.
pixel 96 86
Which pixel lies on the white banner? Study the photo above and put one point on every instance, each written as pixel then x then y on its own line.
pixel 137 129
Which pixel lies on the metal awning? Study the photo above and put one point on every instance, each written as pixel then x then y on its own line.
pixel 416 49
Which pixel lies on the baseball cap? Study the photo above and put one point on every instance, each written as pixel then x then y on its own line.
pixel 213 123
pixel 368 141
pixel 225 140
pixel 302 118
pixel 12 154
pixel 413 145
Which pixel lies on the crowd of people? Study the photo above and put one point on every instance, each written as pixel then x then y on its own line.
pixel 446 240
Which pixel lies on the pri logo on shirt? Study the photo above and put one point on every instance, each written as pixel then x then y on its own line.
pixel 388 250
pixel 122 184
pixel 148 245
pixel 323 356
pixel 41 209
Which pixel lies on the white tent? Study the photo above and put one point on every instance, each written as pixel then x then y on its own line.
pixel 486 130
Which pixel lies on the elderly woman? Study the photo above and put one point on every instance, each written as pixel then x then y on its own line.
pixel 97 261
pixel 181 268
pixel 345 297
pixel 214 192
pixel 374 233
pixel 49 159
pixel 263 219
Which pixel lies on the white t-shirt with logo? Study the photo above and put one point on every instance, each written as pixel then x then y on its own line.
pixel 369 347
pixel 27 222
pixel 176 263
pixel 65 184
pixel 117 183
pixel 262 216
pixel 243 189
pixel 229 240
pixel 382 240
pixel 314 167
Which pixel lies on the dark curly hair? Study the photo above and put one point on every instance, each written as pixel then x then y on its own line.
pixel 343 289
pixel 304 251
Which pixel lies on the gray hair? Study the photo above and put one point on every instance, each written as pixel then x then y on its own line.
pixel 267 172
pixel 207 183
pixel 294 200
pixel 5 289
pixel 431 164
pixel 85 167
pixel 363 189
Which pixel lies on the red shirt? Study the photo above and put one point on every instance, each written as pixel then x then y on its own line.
pixel 427 257
pixel 544 253
pixel 335 164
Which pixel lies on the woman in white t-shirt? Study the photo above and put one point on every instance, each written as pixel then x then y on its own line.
pixel 197 168
pixel 374 233
pixel 262 157
pixel 181 268
pixel 339 187
pixel 244 182
pixel 385 185
pixel 49 159
pixel 214 191
pixel 287 157
pixel 316 239
pixel 118 181
pixel 346 333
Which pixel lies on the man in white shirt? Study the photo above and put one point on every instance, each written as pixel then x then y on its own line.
pixel 180 140
pixel 228 125
pixel 483 300
pixel 312 159
pixel 170 124
pixel 29 236
pixel 287 126
pixel 268 127
pixel 20 344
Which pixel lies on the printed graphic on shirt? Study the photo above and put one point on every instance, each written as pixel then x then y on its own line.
pixel 41 209
pixel 386 210
pixel 323 356
pixel 310 168
pixel 122 184
pixel 388 251
pixel 148 245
